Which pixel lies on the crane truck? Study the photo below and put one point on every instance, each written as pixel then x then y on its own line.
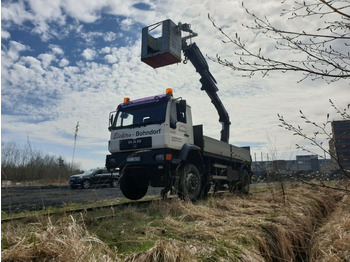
pixel 153 141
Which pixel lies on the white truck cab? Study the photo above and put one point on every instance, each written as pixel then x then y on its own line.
pixel 154 122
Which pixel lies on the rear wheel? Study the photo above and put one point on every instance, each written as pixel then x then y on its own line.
pixel 189 183
pixel 243 186
pixel 131 188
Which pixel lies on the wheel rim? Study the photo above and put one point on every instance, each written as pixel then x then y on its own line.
pixel 86 184
pixel 191 182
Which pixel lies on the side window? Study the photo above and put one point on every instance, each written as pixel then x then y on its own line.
pixel 181 113
pixel 124 119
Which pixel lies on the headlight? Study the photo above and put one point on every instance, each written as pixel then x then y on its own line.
pixel 112 162
pixel 160 157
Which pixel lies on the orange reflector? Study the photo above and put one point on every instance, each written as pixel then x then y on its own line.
pixel 169 91
pixel 126 99
pixel 168 157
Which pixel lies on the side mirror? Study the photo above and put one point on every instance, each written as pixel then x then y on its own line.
pixel 111 120
pixel 182 106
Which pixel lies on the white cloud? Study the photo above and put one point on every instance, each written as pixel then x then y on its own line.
pixel 46 59
pixel 64 62
pixel 14 50
pixel 109 36
pixel 89 54
pixel 48 10
pixel 111 59
pixel 56 50
pixel 85 11
pixel 15 12
pixel 32 63
pixel 105 50
pixel 126 24
pixel 5 34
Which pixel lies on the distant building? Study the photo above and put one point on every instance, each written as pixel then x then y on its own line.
pixel 326 165
pixel 339 146
pixel 305 163
pixel 278 165
pixel 308 163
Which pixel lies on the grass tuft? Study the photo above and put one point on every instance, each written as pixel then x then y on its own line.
pixel 163 251
pixel 64 241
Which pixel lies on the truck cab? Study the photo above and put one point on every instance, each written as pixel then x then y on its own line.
pixel 153 122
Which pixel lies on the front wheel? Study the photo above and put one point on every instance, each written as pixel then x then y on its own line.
pixel 131 189
pixel 114 183
pixel 86 184
pixel 189 183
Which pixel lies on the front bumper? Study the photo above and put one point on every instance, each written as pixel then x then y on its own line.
pixel 146 163
pixel 141 158
pixel 75 183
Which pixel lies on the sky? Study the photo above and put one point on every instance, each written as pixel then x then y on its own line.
pixel 70 61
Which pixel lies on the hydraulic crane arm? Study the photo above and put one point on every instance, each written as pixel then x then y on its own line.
pixel 166 50
pixel 208 82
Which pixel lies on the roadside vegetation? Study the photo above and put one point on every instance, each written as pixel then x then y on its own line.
pixel 302 223
pixel 21 164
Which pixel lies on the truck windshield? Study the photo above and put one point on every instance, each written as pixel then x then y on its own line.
pixel 139 115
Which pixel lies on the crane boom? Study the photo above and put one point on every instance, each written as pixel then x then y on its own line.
pixel 193 53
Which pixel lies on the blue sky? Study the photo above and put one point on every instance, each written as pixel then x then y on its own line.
pixel 65 61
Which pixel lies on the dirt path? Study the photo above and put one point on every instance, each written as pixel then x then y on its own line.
pixel 17 199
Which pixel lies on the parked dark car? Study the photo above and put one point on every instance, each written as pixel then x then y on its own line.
pixel 96 177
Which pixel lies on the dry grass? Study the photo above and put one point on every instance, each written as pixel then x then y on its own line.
pixel 332 240
pixel 163 251
pixel 64 241
pixel 266 226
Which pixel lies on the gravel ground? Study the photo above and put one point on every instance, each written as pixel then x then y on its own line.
pixel 18 199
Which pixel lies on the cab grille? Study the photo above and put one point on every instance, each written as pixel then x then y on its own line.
pixel 143 142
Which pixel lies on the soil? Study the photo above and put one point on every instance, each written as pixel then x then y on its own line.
pixel 17 199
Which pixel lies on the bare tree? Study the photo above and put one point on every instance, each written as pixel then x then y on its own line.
pixel 24 163
pixel 317 138
pixel 321 52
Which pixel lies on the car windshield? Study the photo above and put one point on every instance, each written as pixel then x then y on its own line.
pixel 139 115
pixel 89 172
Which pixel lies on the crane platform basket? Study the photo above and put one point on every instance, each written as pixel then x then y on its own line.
pixel 161 44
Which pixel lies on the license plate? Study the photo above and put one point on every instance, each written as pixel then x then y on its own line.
pixel 133 159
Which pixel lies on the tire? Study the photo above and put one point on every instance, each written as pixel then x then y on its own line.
pixel 243 186
pixel 114 183
pixel 86 184
pixel 131 189
pixel 189 183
